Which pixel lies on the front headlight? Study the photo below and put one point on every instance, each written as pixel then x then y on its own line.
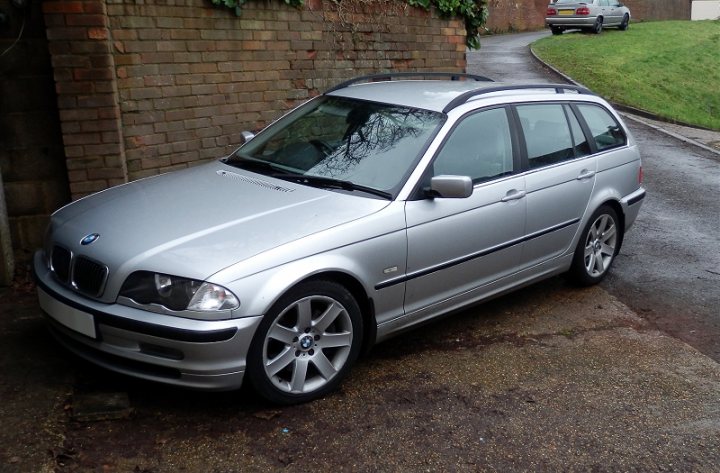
pixel 176 293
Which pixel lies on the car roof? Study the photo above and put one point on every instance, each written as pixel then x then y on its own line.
pixel 440 95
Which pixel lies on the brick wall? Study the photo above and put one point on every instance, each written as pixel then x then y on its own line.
pixel 517 15
pixel 84 70
pixel 659 9
pixel 525 15
pixel 145 88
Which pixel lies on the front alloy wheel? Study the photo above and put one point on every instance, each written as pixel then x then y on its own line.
pixel 596 250
pixel 306 344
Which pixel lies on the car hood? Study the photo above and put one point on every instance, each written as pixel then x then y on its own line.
pixel 195 222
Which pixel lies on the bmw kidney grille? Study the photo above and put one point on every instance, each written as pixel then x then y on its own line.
pixel 80 273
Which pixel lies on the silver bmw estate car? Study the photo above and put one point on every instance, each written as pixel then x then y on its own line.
pixel 592 15
pixel 368 210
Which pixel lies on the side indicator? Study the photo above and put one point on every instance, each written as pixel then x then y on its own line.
pixel 390 270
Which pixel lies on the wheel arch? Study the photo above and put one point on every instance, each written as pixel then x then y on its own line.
pixel 617 207
pixel 365 302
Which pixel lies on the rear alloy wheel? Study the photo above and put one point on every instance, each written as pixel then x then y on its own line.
pixel 625 24
pixel 598 26
pixel 306 344
pixel 555 30
pixel 596 250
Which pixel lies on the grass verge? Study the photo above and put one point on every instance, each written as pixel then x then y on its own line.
pixel 670 68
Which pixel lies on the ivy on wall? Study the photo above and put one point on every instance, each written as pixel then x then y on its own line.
pixel 474 12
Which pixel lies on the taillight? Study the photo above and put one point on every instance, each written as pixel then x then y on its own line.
pixel 551 12
pixel 640 176
pixel 582 11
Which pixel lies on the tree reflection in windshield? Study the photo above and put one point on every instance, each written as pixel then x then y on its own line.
pixel 369 144
pixel 374 141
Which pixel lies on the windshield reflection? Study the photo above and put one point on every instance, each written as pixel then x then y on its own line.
pixel 369 144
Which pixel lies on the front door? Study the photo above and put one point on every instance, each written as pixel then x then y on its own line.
pixel 457 246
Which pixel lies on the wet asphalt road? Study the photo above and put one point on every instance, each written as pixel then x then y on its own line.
pixel 669 268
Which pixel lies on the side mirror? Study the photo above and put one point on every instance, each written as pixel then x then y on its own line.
pixel 247 136
pixel 450 187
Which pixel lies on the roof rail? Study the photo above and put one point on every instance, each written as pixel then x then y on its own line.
pixel 559 89
pixel 388 76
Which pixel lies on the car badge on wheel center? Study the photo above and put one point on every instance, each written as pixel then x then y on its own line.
pixel 91 238
pixel 306 342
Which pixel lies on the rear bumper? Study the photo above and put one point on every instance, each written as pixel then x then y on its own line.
pixel 198 354
pixel 631 206
pixel 571 21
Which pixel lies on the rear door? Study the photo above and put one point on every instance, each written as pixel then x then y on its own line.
pixel 610 12
pixel 559 181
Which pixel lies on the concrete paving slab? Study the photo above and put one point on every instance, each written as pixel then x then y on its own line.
pixel 100 405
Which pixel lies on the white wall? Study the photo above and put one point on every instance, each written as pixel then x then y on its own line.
pixel 705 10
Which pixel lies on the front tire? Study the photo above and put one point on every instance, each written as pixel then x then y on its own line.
pixel 306 343
pixel 625 24
pixel 599 244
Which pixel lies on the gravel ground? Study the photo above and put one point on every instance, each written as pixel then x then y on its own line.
pixel 551 378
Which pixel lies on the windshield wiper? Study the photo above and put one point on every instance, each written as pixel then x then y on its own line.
pixel 330 183
pixel 262 167
pixel 274 170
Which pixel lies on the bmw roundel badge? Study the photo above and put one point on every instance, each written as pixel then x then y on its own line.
pixel 91 238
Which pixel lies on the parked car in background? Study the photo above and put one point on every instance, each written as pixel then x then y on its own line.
pixel 366 211
pixel 592 15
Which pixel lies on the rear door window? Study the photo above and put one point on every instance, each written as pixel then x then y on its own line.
pixel 547 136
pixel 582 147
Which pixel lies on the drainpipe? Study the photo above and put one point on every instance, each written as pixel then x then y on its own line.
pixel 7 271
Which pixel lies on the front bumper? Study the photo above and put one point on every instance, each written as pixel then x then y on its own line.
pixel 199 354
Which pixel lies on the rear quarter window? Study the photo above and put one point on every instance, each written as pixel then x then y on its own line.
pixel 605 130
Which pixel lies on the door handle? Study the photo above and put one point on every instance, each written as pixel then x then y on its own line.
pixel 513 195
pixel 585 174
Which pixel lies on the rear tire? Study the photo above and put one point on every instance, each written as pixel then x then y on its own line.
pixel 598 26
pixel 555 30
pixel 599 244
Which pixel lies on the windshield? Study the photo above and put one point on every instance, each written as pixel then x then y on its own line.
pixel 367 144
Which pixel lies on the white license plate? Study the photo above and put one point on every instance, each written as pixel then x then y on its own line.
pixel 72 318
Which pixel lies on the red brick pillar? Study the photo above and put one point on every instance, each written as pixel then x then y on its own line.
pixel 84 69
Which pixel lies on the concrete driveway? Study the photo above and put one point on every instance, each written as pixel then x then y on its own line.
pixel 550 378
